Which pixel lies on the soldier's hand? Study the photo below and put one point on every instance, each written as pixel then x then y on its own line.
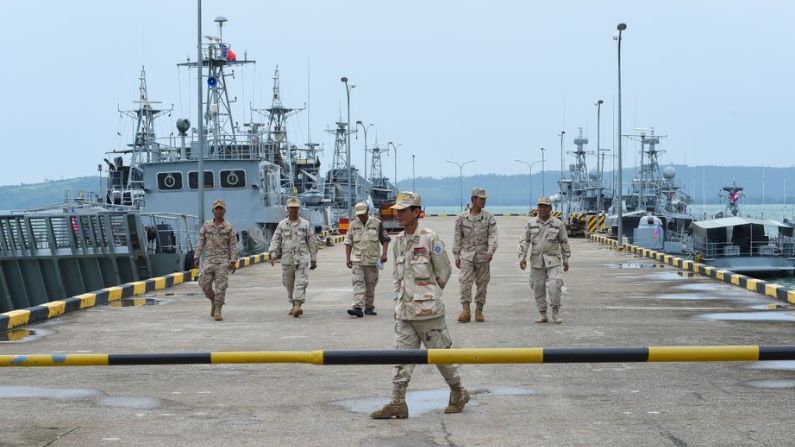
pixel 313 265
pixel 489 258
pixel 384 259
pixel 565 266
pixel 349 263
pixel 273 261
pixel 458 263
pixel 196 263
pixel 523 264
pixel 232 266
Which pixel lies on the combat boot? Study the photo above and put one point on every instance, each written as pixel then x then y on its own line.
pixel 217 315
pixel 542 317
pixel 397 408
pixel 459 397
pixel 292 309
pixel 212 308
pixel 556 315
pixel 297 311
pixel 465 315
pixel 479 313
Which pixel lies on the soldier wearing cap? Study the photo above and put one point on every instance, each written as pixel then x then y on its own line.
pixel 421 271
pixel 474 244
pixel 294 241
pixel 545 237
pixel 365 244
pixel 218 244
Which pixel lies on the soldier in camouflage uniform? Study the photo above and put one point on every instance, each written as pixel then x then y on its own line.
pixel 294 241
pixel 365 244
pixel 546 238
pixel 218 244
pixel 421 271
pixel 474 244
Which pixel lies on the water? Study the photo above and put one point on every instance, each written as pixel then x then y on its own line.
pixel 99 397
pixel 772 211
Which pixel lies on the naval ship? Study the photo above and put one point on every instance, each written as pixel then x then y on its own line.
pixel 582 194
pixel 253 168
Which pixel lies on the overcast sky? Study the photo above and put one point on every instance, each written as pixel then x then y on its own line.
pixel 461 80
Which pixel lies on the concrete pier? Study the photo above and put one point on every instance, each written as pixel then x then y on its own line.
pixel 612 299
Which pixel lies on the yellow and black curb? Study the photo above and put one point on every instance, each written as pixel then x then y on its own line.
pixel 747 353
pixel 762 287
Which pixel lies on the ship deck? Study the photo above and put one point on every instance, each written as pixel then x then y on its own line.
pixel 612 299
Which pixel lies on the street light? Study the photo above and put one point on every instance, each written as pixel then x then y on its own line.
pixel 543 191
pixel 413 178
pixel 359 123
pixel 621 27
pixel 348 88
pixel 598 152
pixel 530 168
pixel 461 179
pixel 394 148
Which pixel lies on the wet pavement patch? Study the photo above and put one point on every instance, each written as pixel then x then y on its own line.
pixel 135 302
pixel 636 265
pixel 85 394
pixel 686 274
pixel 771 384
pixel 24 335
pixel 421 402
pixel 688 297
pixel 785 365
pixel 748 316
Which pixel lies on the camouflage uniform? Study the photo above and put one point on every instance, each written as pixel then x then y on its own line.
pixel 421 271
pixel 294 241
pixel 549 247
pixel 218 244
pixel 365 240
pixel 475 239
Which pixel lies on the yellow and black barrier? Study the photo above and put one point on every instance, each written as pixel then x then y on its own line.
pixel 747 353
pixel 762 287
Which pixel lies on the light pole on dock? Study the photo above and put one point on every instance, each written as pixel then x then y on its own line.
pixel 621 27
pixel 461 180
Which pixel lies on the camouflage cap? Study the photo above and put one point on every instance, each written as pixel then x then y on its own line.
pixel 479 192
pixel 219 204
pixel 406 199
pixel 293 202
pixel 361 208
pixel 544 200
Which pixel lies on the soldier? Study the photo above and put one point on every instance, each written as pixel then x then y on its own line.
pixel 549 246
pixel 365 244
pixel 293 240
pixel 475 241
pixel 218 243
pixel 421 271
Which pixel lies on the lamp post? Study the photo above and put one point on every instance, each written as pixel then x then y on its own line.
pixel 562 165
pixel 461 179
pixel 543 190
pixel 621 27
pixel 200 126
pixel 359 123
pixel 394 148
pixel 413 178
pixel 530 168
pixel 598 152
pixel 348 88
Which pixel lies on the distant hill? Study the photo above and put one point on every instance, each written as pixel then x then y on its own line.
pixel 502 189
pixel 35 195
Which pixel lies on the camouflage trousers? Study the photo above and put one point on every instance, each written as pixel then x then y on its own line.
pixel 480 274
pixel 365 278
pixel 410 334
pixel 296 279
pixel 214 280
pixel 546 281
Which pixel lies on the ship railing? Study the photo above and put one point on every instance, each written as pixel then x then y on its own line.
pixel 712 250
pixel 91 233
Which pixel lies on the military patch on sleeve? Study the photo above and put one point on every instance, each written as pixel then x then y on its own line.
pixel 437 248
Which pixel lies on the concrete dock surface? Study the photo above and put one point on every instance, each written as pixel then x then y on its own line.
pixel 611 299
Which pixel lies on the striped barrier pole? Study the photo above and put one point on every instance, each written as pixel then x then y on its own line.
pixel 728 353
